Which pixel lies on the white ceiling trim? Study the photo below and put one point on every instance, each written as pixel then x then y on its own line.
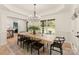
pixel 15 10
pixel 21 11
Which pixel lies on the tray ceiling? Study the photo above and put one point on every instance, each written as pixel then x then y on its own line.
pixel 41 9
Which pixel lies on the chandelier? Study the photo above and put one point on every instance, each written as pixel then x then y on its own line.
pixel 34 18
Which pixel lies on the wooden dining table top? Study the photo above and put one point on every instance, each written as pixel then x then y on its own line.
pixel 44 38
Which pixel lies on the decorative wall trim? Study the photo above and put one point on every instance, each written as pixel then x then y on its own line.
pixel 16 18
pixel 75 50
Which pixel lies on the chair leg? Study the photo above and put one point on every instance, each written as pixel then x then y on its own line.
pixel 50 51
pixel 17 42
pixel 61 51
pixel 38 51
pixel 23 45
pixel 31 50
pixel 27 47
pixel 20 44
pixel 43 48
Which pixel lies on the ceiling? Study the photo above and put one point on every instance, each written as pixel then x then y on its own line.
pixel 45 11
pixel 41 9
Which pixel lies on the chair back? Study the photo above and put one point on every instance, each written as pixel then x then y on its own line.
pixel 60 40
pixel 21 37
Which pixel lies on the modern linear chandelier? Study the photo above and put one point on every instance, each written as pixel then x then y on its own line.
pixel 34 17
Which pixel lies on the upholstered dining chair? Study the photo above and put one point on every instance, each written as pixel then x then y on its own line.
pixel 57 44
pixel 20 40
pixel 37 46
pixel 27 42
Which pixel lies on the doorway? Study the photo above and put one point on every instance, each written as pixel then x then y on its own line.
pixel 15 27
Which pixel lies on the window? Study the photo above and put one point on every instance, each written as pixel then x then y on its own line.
pixel 48 26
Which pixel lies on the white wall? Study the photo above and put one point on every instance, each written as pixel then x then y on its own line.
pixel 63 22
pixel 63 25
pixel 75 28
pixel 21 24
pixel 5 22
pixel 3 28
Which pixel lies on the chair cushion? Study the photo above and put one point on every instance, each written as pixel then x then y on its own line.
pixel 55 44
pixel 37 45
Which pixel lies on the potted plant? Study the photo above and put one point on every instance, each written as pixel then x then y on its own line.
pixel 34 28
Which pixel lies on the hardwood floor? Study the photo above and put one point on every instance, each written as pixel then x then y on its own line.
pixel 11 48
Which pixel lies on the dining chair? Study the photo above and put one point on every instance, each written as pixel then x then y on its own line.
pixel 28 42
pixel 37 46
pixel 20 40
pixel 57 44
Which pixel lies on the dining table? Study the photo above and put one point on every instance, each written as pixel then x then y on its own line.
pixel 46 39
